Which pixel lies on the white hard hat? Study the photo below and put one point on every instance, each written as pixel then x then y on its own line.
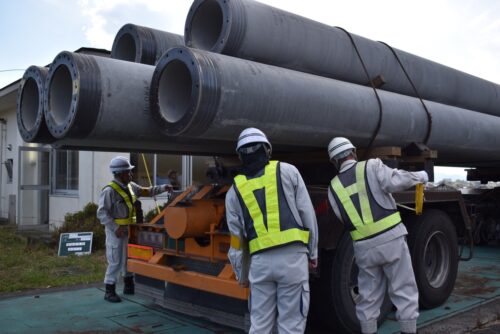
pixel 120 164
pixel 252 135
pixel 339 147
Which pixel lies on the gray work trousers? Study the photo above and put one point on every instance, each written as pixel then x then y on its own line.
pixel 279 290
pixel 116 254
pixel 388 264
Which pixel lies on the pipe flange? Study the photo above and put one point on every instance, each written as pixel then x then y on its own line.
pixel 61 94
pixel 29 102
pixel 127 44
pixel 225 20
pixel 175 90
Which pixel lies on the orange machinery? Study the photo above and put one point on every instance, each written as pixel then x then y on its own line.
pixel 187 244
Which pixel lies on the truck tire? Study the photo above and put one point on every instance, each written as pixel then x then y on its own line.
pixel 339 290
pixel 433 244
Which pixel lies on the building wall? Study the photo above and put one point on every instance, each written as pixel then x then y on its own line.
pixel 10 140
pixel 93 175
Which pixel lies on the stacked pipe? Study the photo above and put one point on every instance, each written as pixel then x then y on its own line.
pixel 249 64
pixel 223 95
pixel 97 103
pixel 142 44
pixel 30 117
pixel 252 30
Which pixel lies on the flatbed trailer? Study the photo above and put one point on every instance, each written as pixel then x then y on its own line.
pixel 180 260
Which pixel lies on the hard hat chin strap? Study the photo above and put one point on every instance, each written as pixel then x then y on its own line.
pixel 339 161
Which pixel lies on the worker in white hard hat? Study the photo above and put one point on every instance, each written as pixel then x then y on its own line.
pixel 117 210
pixel 274 236
pixel 360 196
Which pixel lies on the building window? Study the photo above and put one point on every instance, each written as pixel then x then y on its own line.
pixel 9 163
pixel 180 171
pixel 65 172
pixel 161 168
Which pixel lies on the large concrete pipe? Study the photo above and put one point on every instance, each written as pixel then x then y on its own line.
pixel 100 96
pixel 30 116
pixel 145 146
pixel 142 44
pixel 255 31
pixel 101 103
pixel 199 94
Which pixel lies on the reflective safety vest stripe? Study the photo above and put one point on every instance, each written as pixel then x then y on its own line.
pixel 271 236
pixel 364 224
pixel 128 201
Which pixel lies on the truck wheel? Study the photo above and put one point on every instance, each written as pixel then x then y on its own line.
pixel 339 287
pixel 433 244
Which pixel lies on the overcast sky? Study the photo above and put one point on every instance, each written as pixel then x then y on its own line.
pixel 463 34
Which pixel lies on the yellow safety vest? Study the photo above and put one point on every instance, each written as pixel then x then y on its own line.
pixel 272 236
pixel 128 201
pixel 364 225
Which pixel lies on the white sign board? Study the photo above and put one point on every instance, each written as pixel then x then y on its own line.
pixel 78 243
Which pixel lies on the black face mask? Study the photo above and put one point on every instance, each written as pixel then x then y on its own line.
pixel 254 162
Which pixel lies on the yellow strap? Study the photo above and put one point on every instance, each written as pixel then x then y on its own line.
pixel 269 182
pixel 346 202
pixel 377 227
pixel 131 209
pixel 352 189
pixel 245 188
pixel 363 195
pixel 419 198
pixel 272 205
pixel 271 236
pixel 125 221
pixel 235 242
pixel 134 197
pixel 277 239
pixel 364 226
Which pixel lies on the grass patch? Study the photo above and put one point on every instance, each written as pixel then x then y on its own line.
pixel 39 266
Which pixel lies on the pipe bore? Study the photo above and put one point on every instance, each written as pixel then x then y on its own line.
pixel 124 47
pixel 30 117
pixel 174 91
pixel 206 20
pixel 60 95
pixel 175 97
pixel 30 101
pixel 142 44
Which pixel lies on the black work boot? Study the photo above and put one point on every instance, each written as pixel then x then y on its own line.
pixel 111 295
pixel 128 288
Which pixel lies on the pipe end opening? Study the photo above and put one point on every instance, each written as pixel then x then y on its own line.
pixel 30 105
pixel 206 25
pixel 60 95
pixel 174 91
pixel 125 48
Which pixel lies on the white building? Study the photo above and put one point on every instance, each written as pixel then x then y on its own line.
pixel 39 184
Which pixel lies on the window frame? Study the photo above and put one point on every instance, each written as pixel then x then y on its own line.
pixel 54 190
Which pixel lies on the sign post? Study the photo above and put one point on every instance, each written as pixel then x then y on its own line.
pixel 78 243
